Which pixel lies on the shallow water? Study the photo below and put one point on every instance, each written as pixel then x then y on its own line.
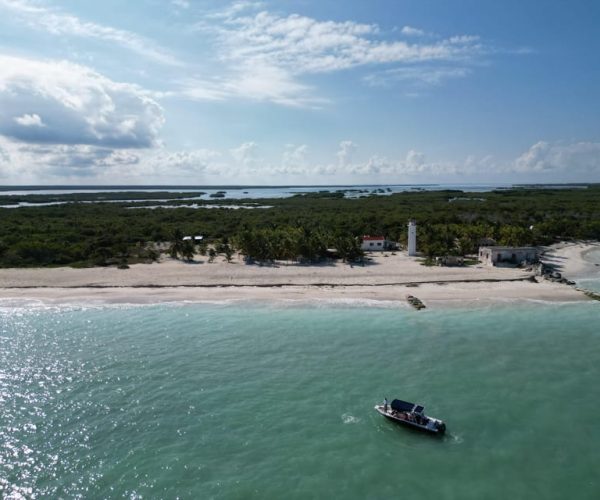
pixel 224 401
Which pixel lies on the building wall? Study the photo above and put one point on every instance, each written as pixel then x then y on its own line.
pixel 374 245
pixel 492 256
pixel 412 238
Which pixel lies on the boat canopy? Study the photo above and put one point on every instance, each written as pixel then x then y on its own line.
pixel 400 405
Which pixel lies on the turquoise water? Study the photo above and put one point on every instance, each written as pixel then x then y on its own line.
pixel 224 401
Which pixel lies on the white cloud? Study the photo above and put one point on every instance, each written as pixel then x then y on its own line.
pixel 32 120
pixel 580 158
pixel 416 76
pixel 235 8
pixel 294 159
pixel 61 23
pixel 197 160
pixel 182 4
pixel 266 55
pixel 46 161
pixel 295 155
pixel 4 157
pixel 35 163
pixel 245 154
pixel 256 82
pixel 414 160
pixel 345 153
pixel 304 45
pixel 79 105
pixel 410 31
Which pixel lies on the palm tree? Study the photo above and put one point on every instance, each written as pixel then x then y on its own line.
pixel 188 250
pixel 176 247
pixel 212 253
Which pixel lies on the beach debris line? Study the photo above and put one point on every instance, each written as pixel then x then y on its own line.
pixel 415 302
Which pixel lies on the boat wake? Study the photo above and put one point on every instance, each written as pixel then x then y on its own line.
pixel 350 419
pixel 454 439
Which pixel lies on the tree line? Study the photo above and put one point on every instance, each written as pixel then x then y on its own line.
pixel 301 228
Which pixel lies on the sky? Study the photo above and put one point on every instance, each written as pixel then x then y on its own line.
pixel 316 92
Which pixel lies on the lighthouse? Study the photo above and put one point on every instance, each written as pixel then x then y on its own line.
pixel 412 238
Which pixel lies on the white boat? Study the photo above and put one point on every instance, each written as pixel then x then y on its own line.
pixel 411 415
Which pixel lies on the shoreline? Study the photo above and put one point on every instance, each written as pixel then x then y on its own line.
pixel 433 295
pixel 570 259
pixel 270 285
pixel 385 279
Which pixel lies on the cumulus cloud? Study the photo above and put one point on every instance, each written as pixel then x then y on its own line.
pixel 415 161
pixel 191 161
pixel 575 158
pixel 60 23
pixel 79 106
pixel 245 154
pixel 410 31
pixel 26 120
pixel 293 160
pixel 34 163
pixel 345 153
pixel 65 161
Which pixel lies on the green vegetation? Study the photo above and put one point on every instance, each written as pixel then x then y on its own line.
pixel 300 228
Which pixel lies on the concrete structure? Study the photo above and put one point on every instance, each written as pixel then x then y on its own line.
pixel 450 260
pixel 493 256
pixel 412 238
pixel 374 243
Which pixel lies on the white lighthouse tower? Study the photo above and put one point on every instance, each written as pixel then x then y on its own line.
pixel 412 238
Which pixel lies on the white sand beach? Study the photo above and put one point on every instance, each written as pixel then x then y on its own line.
pixel 570 258
pixel 386 277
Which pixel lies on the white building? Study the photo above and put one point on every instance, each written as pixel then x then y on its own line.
pixel 412 238
pixel 495 255
pixel 373 243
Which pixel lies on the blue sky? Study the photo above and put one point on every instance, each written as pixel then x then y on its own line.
pixel 301 91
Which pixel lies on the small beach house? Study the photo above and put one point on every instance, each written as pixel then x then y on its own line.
pixel 374 243
pixel 494 255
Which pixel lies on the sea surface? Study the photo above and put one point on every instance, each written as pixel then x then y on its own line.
pixel 249 401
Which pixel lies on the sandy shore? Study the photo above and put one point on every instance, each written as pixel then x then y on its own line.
pixel 384 279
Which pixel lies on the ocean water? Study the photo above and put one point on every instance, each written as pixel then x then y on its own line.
pixel 276 401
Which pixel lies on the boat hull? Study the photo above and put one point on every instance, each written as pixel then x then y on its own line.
pixel 438 431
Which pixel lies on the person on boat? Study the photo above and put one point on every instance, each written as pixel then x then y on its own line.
pixel 385 405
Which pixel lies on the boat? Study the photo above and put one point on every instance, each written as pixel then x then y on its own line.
pixel 411 415
pixel 415 302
